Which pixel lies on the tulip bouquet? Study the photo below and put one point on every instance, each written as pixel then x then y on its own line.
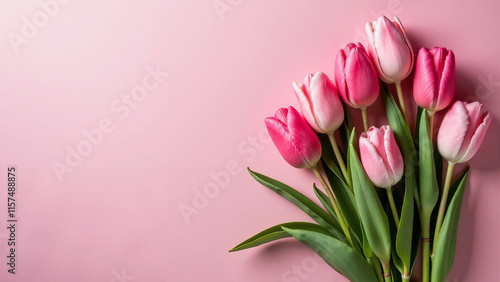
pixel 384 193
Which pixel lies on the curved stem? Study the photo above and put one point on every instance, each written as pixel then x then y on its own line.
pixel 343 225
pixel 442 205
pixel 365 119
pixel 393 207
pixel 339 159
pixel 402 102
pixel 431 124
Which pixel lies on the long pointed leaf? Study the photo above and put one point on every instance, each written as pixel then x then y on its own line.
pixel 337 254
pixel 447 239
pixel 275 233
pixel 299 200
pixel 372 214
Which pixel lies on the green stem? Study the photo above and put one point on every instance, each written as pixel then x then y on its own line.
pixel 401 101
pixel 365 119
pixel 405 276
pixel 378 269
pixel 393 206
pixel 442 205
pixel 426 226
pixel 387 273
pixel 431 124
pixel 339 159
pixel 343 225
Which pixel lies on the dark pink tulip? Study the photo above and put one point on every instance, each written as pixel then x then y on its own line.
pixel 462 131
pixel 295 140
pixel 389 49
pixel 355 76
pixel 434 81
pixel 381 157
pixel 319 103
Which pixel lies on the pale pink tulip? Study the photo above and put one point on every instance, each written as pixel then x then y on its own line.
pixel 319 103
pixel 434 80
pixel 355 76
pixel 381 157
pixel 389 49
pixel 462 131
pixel 295 140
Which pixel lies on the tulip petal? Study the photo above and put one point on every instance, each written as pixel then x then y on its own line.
pixel 340 78
pixel 327 109
pixel 389 49
pixel 477 139
pixel 398 23
pixel 373 163
pixel 394 157
pixel 303 137
pixel 306 105
pixel 447 82
pixel 425 80
pixel 452 132
pixel 361 79
pixel 281 138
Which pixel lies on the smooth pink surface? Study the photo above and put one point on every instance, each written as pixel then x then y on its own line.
pixel 117 214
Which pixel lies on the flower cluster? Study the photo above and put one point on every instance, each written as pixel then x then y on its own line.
pixel 354 233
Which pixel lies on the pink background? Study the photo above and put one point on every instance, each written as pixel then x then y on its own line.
pixel 114 214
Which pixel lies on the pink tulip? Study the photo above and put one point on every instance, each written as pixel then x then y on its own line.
pixel 355 76
pixel 320 103
pixel 462 131
pixel 295 140
pixel 389 49
pixel 381 157
pixel 434 81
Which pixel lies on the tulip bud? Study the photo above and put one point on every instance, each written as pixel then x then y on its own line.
pixel 295 140
pixel 355 76
pixel 389 49
pixel 381 157
pixel 462 131
pixel 320 103
pixel 434 81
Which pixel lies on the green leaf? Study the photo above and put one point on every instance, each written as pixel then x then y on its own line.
pixel 301 201
pixel 275 233
pixel 429 191
pixel 345 199
pixel 346 129
pixel 325 201
pixel 372 214
pixel 403 138
pixel 337 254
pixel 327 155
pixel 447 239
pixel 328 206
